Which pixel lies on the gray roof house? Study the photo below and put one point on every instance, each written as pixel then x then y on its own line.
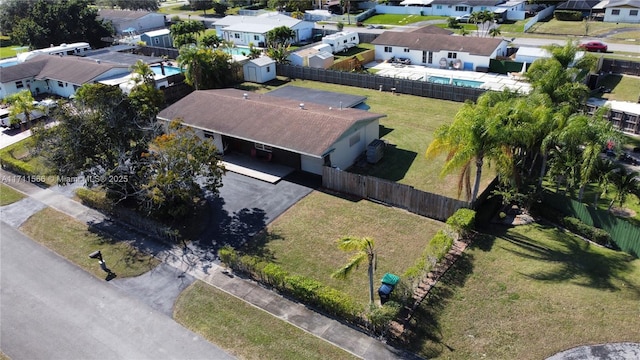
pixel 439 50
pixel 129 21
pixel 304 136
pixel 624 11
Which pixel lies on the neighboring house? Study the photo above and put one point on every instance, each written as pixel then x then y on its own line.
pixel 318 56
pixel 529 54
pixel 623 115
pixel 462 7
pixel 158 38
pixel 57 75
pixel 245 30
pixel 304 136
pixel 437 50
pixel 127 21
pixel 624 11
pixel 78 49
pixel 259 70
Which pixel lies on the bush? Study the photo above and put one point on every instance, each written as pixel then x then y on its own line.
pixel 462 222
pixel 594 234
pixel 380 317
pixel 94 199
pixel 567 15
pixel 439 246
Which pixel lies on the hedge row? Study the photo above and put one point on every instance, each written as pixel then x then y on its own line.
pixel 568 15
pixel 304 289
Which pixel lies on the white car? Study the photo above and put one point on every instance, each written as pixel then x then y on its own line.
pixel 464 18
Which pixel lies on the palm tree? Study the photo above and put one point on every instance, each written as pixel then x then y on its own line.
pixel 365 250
pixel 22 103
pixel 625 183
pixel 603 170
pixel 494 31
pixel 194 60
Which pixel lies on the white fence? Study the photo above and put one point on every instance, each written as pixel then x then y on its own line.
pixel 541 15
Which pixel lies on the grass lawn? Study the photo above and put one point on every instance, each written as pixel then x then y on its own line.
pixel 515 27
pixel 21 150
pixel 527 293
pixel 409 126
pixel 399 19
pixel 246 331
pixel 303 239
pixel 591 28
pixel 8 195
pixel 623 88
pixel 74 240
pixel 7 52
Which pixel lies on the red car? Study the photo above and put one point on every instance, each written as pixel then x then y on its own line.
pixel 594 46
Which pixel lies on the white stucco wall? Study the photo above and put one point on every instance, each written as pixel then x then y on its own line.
pixel 624 15
pixel 311 164
pixel 416 56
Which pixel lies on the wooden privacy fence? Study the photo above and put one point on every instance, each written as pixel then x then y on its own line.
pixel 372 81
pixel 404 196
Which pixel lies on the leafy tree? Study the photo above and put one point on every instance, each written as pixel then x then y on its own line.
pixel 201 5
pixel 206 68
pixel 254 52
pixel 211 40
pixel 280 54
pixel 220 8
pixel 22 103
pixel 452 23
pixel 495 31
pixel 47 22
pixel 365 250
pixel 149 5
pixel 144 96
pixel 186 32
pixel 625 182
pixel 280 36
pixel 176 167
pixel 339 25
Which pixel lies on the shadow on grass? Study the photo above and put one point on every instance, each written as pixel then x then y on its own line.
pixel 393 166
pixel 574 259
pixel 384 131
pixel 423 334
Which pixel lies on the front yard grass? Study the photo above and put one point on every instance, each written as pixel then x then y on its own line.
pixel 8 195
pixel 74 241
pixel 400 19
pixel 578 28
pixel 527 293
pixel 246 331
pixel 303 241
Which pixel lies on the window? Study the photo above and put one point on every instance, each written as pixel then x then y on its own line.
pixel 344 41
pixel 406 50
pixel 615 12
pixel 156 41
pixel 236 35
pixel 438 7
pixel 208 135
pixel 427 57
pixel 268 68
pixel 354 139
pixel 452 55
pixel 633 12
pixel 19 84
pixel 256 37
pixel 388 49
pixel 262 147
pixel 60 84
pixel 461 8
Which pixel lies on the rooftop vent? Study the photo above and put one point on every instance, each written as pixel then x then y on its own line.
pixel 245 96
pixel 301 106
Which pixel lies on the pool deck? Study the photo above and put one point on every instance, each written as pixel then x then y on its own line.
pixel 417 72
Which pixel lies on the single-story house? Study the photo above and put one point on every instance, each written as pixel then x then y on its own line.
pixel 318 56
pixel 128 21
pixel 624 11
pixel 462 7
pixel 259 70
pixel 438 50
pixel 303 136
pixel 529 54
pixel 58 75
pixel 245 30
pixel 158 38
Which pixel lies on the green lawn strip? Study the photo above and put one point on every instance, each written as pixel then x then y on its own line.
pixel 400 19
pixel 577 28
pixel 303 241
pixel 409 126
pixel 527 293
pixel 623 88
pixel 73 240
pixel 8 195
pixel 246 331
pixel 7 52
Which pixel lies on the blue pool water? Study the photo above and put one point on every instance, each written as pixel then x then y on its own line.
pixel 456 82
pixel 8 63
pixel 168 70
pixel 237 51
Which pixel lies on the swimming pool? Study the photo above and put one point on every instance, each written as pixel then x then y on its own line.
pixel 244 51
pixel 168 70
pixel 8 63
pixel 454 81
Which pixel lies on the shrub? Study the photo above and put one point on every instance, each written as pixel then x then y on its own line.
pixel 567 15
pixel 274 275
pixel 229 256
pixel 594 234
pixel 462 222
pixel 439 246
pixel 380 317
pixel 94 199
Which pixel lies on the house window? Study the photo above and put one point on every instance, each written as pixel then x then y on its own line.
pixel 461 8
pixel 256 37
pixel 406 50
pixel 438 7
pixel 452 55
pixel 354 139
pixel 268 68
pixel 156 41
pixel 60 84
pixel 387 49
pixel 236 35
pixel 615 12
pixel 208 135
pixel 19 84
pixel 262 147
pixel 427 57
pixel 633 12
pixel 344 41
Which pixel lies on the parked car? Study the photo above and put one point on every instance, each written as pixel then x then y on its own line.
pixel 464 18
pixel 596 46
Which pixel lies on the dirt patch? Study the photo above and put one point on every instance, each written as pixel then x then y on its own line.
pixel 623 212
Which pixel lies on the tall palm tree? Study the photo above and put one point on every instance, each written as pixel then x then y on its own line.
pixel 194 60
pixel 365 250
pixel 22 103
pixel 625 183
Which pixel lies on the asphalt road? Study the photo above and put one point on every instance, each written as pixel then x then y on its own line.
pixel 51 309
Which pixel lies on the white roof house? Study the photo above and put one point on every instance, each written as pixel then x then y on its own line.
pixel 245 30
pixel 624 11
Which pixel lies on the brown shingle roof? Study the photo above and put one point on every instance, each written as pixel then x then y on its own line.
pixel 432 29
pixel 436 42
pixel 72 69
pixel 267 119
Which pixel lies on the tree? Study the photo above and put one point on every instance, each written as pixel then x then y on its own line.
pixel 625 182
pixel 46 22
pixel 144 96
pixel 340 25
pixel 206 68
pixel 201 5
pixel 493 32
pixel 22 103
pixel 186 32
pixel 280 36
pixel 149 5
pixel 365 250
pixel 211 40
pixel 254 52
pixel 220 8
pixel 176 167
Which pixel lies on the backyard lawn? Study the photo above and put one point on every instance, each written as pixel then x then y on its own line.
pixel 527 293
pixel 400 19
pixel 623 88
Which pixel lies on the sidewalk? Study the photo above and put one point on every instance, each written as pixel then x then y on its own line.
pixel 200 265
